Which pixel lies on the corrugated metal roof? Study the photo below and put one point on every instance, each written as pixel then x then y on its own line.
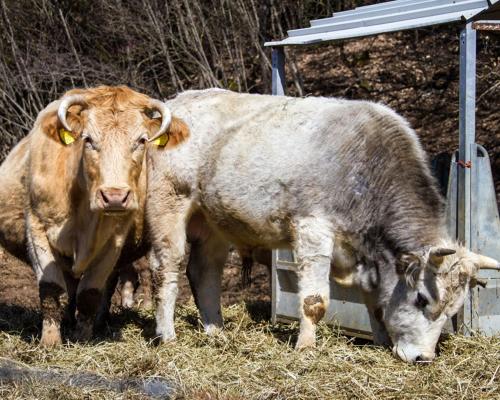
pixel 384 17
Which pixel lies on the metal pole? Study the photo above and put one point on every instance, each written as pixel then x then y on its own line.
pixel 278 75
pixel 278 89
pixel 467 126
pixel 466 158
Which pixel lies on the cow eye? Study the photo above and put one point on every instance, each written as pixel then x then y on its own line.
pixel 89 143
pixel 140 142
pixel 421 301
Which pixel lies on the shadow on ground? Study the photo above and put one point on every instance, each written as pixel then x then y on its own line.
pixel 18 320
pixel 12 372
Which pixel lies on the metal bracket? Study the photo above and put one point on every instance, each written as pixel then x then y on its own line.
pixel 486 25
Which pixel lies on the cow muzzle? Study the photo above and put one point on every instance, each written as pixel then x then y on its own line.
pixel 412 354
pixel 114 200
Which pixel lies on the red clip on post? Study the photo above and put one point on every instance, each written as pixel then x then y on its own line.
pixel 464 164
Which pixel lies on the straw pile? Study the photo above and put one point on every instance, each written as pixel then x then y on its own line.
pixel 251 360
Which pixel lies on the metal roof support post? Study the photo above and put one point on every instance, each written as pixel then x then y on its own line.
pixel 466 156
pixel 278 77
pixel 278 89
pixel 467 126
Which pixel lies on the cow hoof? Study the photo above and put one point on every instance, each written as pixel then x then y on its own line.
pixel 83 331
pixel 213 330
pixel 144 304
pixel 128 302
pixel 51 339
pixel 51 334
pixel 166 337
pixel 305 342
pixel 147 305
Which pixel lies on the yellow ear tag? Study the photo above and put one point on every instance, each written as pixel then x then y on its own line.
pixel 161 141
pixel 66 136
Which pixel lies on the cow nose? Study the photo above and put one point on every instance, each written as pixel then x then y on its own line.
pixel 114 199
pixel 424 358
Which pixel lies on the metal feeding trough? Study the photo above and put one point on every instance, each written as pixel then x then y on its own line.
pixel 472 213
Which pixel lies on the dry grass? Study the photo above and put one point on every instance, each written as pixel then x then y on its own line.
pixel 252 360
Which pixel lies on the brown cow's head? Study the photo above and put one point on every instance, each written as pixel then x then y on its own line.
pixel 112 126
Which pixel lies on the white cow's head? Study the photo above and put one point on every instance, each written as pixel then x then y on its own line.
pixel 432 286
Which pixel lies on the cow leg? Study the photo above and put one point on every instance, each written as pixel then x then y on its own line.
pixel 71 285
pixel 145 282
pixel 128 280
pixel 90 292
pixel 380 334
pixel 314 249
pixel 204 272
pixel 168 239
pixel 51 283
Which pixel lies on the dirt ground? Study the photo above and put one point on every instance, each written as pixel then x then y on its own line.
pixel 18 286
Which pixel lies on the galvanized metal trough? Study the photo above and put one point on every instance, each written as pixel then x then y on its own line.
pixel 472 212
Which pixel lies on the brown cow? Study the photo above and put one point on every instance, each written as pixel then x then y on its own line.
pixel 76 186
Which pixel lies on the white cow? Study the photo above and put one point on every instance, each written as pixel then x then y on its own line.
pixel 335 180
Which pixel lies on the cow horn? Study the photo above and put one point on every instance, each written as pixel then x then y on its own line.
pixel 66 103
pixel 166 117
pixel 437 255
pixel 487 263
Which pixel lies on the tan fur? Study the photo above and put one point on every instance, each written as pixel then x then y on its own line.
pixel 51 190
pixel 178 132
pixel 12 199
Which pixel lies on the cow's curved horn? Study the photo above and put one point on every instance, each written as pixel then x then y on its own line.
pixel 487 263
pixel 437 254
pixel 66 103
pixel 442 251
pixel 166 117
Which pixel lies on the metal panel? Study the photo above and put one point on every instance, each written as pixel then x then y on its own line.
pixel 346 308
pixel 388 17
pixel 379 6
pixel 485 236
pixel 375 30
pixel 393 7
pixel 363 20
pixel 484 304
pixel 481 311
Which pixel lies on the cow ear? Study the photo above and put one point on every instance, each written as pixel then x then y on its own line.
pixel 176 133
pixel 409 265
pixel 474 281
pixel 53 128
pixel 50 125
